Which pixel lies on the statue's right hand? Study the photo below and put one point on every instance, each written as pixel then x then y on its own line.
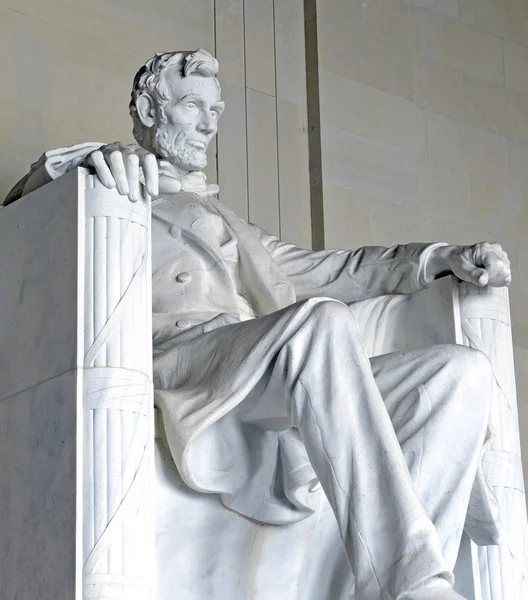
pixel 117 166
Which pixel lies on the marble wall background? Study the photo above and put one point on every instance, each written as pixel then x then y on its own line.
pixel 424 130
pixel 419 111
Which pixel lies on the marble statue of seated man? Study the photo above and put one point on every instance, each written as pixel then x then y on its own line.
pixel 260 374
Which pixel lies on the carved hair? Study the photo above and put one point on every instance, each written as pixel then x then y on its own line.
pixel 150 80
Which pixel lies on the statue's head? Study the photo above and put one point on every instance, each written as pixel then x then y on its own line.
pixel 176 105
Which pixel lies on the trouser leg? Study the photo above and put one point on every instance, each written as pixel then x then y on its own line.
pixel 438 400
pixel 335 403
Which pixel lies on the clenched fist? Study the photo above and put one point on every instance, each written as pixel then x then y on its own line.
pixel 482 264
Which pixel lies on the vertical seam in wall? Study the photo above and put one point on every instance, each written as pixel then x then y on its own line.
pixel 426 153
pixel 314 126
pixel 215 45
pixel 509 140
pixel 471 200
pixel 518 260
pixel 246 106
pixel 465 96
pixel 276 115
pixel 503 62
pixel 214 29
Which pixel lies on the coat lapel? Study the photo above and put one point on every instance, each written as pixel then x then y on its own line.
pixel 261 276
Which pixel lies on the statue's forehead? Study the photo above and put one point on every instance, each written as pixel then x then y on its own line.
pixel 196 85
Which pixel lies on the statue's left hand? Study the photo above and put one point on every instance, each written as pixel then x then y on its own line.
pixel 482 264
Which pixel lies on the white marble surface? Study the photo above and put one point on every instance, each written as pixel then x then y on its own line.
pixel 118 536
pixel 317 567
pixel 290 398
pixel 36 306
pixel 213 543
pixel 39 396
pixel 76 394
pixel 39 491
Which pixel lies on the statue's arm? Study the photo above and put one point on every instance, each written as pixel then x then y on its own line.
pixel 51 165
pixel 117 165
pixel 351 275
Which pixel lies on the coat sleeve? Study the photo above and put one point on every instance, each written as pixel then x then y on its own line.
pixel 51 165
pixel 351 275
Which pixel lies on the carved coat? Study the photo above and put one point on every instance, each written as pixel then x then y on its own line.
pixel 209 268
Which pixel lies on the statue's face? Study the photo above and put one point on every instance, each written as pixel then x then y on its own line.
pixel 191 120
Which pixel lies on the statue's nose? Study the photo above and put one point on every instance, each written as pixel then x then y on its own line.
pixel 207 124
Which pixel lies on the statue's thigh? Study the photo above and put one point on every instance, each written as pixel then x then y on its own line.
pixel 401 376
pixel 448 380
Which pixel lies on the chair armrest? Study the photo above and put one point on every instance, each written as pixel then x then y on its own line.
pixel 76 397
pixel 118 419
pixel 483 316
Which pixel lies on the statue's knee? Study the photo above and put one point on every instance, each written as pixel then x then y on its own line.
pixel 472 368
pixel 466 361
pixel 329 312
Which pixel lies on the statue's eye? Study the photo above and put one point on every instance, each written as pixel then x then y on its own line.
pixel 191 105
pixel 214 114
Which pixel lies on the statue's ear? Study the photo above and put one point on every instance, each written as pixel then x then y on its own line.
pixel 146 110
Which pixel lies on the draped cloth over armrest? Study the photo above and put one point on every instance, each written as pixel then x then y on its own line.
pixel 51 165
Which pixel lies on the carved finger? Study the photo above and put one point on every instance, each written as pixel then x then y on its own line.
pixel 506 280
pixel 497 265
pixel 496 268
pixel 150 171
pixel 478 276
pixel 117 166
pixel 132 173
pixel 483 278
pixel 505 276
pixel 499 273
pixel 488 256
pixel 500 281
pixel 101 168
pixel 504 256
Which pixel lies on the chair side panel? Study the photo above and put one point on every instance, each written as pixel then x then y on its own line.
pixel 39 383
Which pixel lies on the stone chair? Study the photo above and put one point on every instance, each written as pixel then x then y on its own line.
pixel 91 504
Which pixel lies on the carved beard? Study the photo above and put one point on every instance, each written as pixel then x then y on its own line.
pixel 167 145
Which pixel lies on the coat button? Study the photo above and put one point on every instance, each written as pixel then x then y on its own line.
pixel 175 231
pixel 183 277
pixel 183 323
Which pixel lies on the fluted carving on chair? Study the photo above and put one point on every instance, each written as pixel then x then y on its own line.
pixel 117 398
pixel 485 325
